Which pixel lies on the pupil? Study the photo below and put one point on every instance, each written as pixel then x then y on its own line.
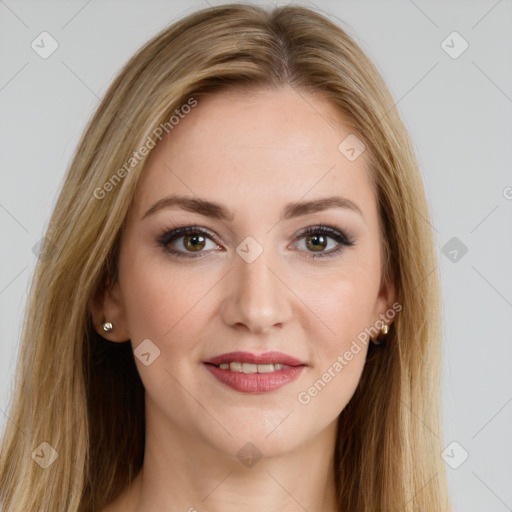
pixel 197 242
pixel 317 245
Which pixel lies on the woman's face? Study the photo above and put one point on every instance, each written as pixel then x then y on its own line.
pixel 252 170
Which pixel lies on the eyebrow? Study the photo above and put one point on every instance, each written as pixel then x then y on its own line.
pixel 217 211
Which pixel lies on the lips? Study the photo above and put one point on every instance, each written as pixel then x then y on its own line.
pixel 255 373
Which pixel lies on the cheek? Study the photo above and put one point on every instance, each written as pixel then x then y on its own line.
pixel 164 302
pixel 346 316
pixel 344 303
pixel 158 304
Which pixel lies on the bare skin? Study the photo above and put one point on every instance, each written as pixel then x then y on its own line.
pixel 253 154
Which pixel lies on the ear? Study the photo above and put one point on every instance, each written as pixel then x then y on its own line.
pixel 385 300
pixel 107 306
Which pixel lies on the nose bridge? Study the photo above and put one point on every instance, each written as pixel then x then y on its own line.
pixel 257 297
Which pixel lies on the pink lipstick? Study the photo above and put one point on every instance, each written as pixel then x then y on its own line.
pixel 255 373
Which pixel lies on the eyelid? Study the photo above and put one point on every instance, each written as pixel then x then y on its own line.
pixel 342 239
pixel 337 234
pixel 177 232
pixel 173 233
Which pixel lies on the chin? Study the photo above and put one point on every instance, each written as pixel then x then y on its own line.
pixel 260 437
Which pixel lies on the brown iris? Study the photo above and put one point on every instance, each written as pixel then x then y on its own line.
pixel 316 246
pixel 194 242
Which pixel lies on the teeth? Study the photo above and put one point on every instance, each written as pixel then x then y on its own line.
pixel 265 368
pixel 251 368
pixel 235 367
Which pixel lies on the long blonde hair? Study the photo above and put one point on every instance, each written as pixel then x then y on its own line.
pixel 82 395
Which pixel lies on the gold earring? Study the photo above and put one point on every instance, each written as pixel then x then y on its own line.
pixel 382 333
pixel 107 326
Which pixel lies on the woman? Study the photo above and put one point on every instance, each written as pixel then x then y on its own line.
pixel 237 307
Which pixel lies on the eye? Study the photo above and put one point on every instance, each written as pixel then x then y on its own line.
pixel 316 241
pixel 192 241
pixel 190 238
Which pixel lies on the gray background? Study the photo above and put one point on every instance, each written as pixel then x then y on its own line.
pixel 458 111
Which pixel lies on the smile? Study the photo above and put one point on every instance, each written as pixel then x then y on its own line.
pixel 248 372
pixel 252 368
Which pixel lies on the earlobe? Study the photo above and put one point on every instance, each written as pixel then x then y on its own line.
pixel 108 313
pixel 385 301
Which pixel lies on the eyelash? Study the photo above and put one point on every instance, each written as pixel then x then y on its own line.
pixel 170 235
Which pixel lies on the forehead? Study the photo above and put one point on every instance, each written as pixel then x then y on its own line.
pixel 258 149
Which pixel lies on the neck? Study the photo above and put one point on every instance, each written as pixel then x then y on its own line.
pixel 184 473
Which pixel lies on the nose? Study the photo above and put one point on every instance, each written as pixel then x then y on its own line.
pixel 258 298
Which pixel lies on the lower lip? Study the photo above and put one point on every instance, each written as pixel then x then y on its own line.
pixel 255 382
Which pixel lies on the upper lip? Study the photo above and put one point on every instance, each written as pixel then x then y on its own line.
pixel 248 357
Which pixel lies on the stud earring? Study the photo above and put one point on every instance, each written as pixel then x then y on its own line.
pixel 107 326
pixel 382 333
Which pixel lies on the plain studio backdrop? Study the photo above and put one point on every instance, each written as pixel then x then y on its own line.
pixel 448 65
